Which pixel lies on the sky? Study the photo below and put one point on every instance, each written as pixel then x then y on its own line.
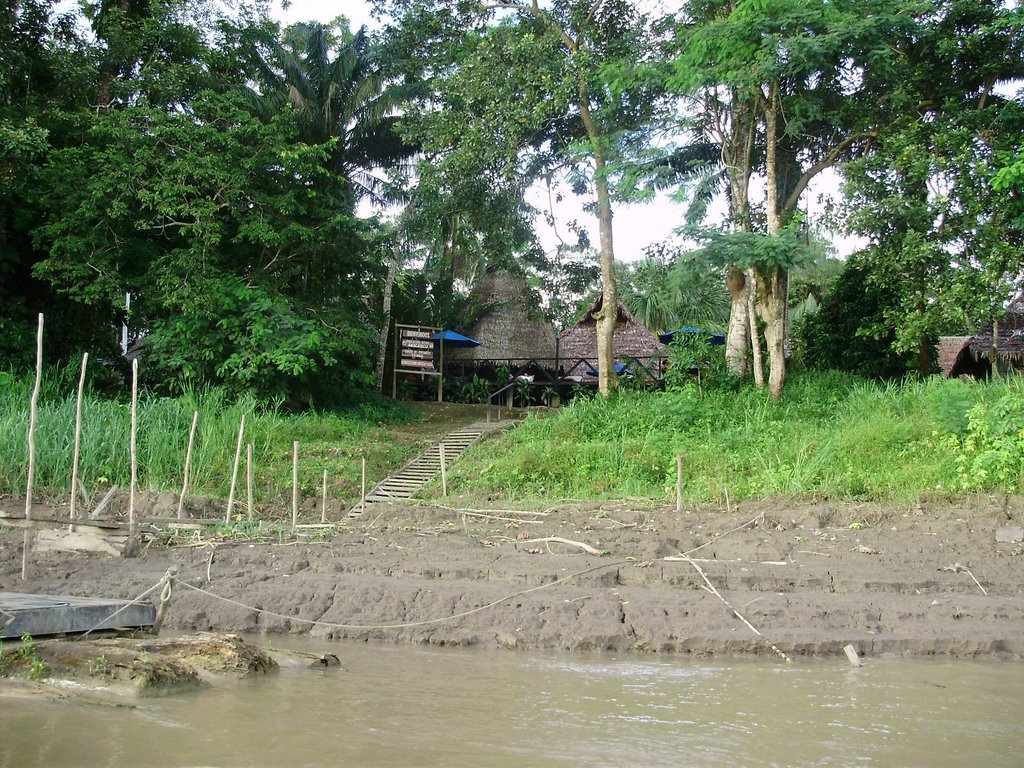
pixel 634 226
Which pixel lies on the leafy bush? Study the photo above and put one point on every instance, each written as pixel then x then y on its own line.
pixel 989 446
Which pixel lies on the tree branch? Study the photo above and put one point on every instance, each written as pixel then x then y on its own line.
pixel 827 161
pixel 535 11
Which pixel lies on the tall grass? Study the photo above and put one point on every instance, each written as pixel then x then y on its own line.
pixel 834 436
pixel 335 442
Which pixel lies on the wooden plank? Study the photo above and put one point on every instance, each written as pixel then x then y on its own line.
pixel 68 541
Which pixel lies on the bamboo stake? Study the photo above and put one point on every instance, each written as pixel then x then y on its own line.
pixel 295 485
pixel 32 419
pixel 188 464
pixel 362 486
pixel 444 472
pixel 711 588
pixel 133 447
pixel 249 480
pixel 78 439
pixel 679 483
pixel 234 471
pixel 323 506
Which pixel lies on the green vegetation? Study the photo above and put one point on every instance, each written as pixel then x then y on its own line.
pixel 23 659
pixel 836 436
pixel 332 441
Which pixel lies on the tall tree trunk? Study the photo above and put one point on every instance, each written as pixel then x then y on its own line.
pixel 773 282
pixel 737 340
pixel 772 289
pixel 737 155
pixel 385 323
pixel 993 351
pixel 755 336
pixel 606 318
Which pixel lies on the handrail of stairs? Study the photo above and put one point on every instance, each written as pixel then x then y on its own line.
pixel 490 400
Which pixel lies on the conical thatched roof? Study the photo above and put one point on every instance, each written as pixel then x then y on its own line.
pixel 507 329
pixel 631 338
pixel 951 350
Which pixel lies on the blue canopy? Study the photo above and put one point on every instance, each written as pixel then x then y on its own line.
pixel 714 338
pixel 620 369
pixel 453 339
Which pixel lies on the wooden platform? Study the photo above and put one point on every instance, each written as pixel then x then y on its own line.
pixel 41 615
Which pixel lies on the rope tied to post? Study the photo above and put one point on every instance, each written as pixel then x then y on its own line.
pixel 167 583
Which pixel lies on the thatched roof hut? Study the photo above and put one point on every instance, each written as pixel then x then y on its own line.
pixel 631 338
pixel 970 355
pixel 507 329
pixel 952 350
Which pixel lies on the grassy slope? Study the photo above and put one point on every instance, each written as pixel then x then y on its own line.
pixel 833 436
pixel 386 436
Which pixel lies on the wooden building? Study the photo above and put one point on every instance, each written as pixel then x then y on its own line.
pixel 632 344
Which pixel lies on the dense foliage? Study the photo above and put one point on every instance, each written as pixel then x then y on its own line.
pixel 220 170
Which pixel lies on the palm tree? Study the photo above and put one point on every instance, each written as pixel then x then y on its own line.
pixel 328 75
pixel 666 292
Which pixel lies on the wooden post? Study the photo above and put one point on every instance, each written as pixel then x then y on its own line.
pixel 188 464
pixel 394 365
pixel 165 599
pixel 362 486
pixel 249 481
pixel 440 367
pixel 295 485
pixel 852 656
pixel 133 447
pixel 234 471
pixel 33 418
pixel 323 505
pixel 444 471
pixel 78 438
pixel 679 482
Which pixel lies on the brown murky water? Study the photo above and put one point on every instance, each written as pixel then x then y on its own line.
pixel 404 706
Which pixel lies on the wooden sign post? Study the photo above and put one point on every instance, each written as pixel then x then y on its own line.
pixel 414 353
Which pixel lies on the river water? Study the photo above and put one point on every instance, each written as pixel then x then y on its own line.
pixel 410 706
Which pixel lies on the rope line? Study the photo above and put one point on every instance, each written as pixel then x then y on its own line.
pixel 127 605
pixel 405 625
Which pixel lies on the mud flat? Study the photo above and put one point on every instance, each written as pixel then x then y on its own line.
pixel 927 579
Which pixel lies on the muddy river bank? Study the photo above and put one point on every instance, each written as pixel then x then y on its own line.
pixel 926 580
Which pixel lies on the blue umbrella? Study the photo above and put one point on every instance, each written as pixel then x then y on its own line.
pixel 714 339
pixel 453 339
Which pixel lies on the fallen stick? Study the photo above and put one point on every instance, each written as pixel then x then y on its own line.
pixel 559 540
pixel 417 503
pixel 103 502
pixel 711 588
pixel 467 513
pixel 685 559
pixel 721 535
pixel 958 568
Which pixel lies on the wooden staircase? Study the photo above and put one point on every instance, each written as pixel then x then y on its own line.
pixel 404 483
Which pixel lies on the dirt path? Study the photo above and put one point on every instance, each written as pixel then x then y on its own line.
pixel 810 577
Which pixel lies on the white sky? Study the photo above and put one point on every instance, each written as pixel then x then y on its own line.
pixel 635 226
